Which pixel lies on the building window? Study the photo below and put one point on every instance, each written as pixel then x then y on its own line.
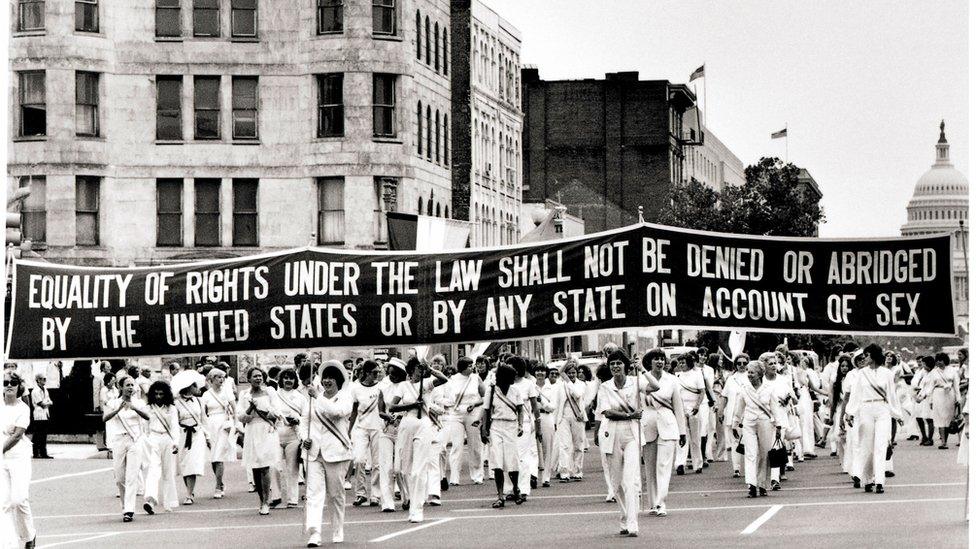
pixel 33 212
pixel 86 103
pixel 169 212
pixel 245 212
pixel 244 92
pixel 386 189
pixel 206 212
pixel 427 40
pixel 437 137
pixel 437 47
pixel 384 105
pixel 419 42
pixel 429 148
pixel 33 109
pixel 168 18
pixel 331 116
pixel 332 210
pixel 447 138
pixel 206 107
pixel 420 129
pixel 169 114
pixel 445 51
pixel 86 210
pixel 329 16
pixel 30 15
pixel 384 17
pixel 86 15
pixel 206 17
pixel 244 18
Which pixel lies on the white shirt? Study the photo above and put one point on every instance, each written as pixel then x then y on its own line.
pixel 368 407
pixel 864 390
pixel 548 397
pixel 529 390
pixel 660 420
pixel 733 386
pixel 758 404
pixel 467 388
pixel 14 416
pixel 127 424
pixel 39 396
pixel 500 410
pixel 692 388
pixel 333 446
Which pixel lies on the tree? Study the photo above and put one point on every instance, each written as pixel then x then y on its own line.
pixel 770 203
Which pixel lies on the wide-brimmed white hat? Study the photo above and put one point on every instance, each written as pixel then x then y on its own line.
pixel 397 363
pixel 338 366
pixel 182 380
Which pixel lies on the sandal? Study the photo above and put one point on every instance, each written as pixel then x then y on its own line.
pixel 188 501
pixel 499 503
pixel 520 499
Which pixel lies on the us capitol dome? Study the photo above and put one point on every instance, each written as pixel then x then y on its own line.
pixel 940 204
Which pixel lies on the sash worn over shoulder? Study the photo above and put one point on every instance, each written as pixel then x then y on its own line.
pixel 749 394
pixel 164 422
pixel 505 400
pixel 457 401
pixel 662 402
pixel 573 404
pixel 621 400
pixel 875 388
pixel 332 428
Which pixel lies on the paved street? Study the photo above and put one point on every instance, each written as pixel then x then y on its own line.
pixel 924 505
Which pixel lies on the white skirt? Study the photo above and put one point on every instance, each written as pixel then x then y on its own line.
pixel 503 449
pixel 193 459
pixel 261 446
pixel 223 446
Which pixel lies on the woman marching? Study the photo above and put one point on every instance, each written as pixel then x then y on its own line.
pixel 396 375
pixel 501 425
pixel 547 425
pixel 289 402
pixel 570 423
pixel 367 421
pixel 758 415
pixel 328 452
pixel 662 429
pixel 127 413
pixel 945 396
pixel 163 427
pixel 807 381
pixel 262 451
pixel 221 427
pixel 194 445
pixel 727 402
pixel 874 403
pixel 15 467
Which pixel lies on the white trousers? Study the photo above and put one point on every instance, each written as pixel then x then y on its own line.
pixel 454 447
pixel 625 474
pixel 15 477
pixel 366 455
pixel 528 454
pixel 161 473
pixel 605 465
pixel 285 475
pixel 731 442
pixel 548 456
pixel 850 447
pixel 808 438
pixel 719 446
pixel 475 449
pixel 658 464
pixel 127 463
pixel 324 481
pixel 873 435
pixel 571 438
pixel 424 476
pixel 693 446
pixel 758 435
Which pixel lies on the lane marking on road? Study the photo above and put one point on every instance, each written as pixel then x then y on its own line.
pixel 483 499
pixel 69 475
pixel 70 541
pixel 502 515
pixel 761 520
pixel 409 530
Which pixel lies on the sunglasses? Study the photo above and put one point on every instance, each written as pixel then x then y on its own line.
pixel 616 363
pixel 741 362
pixel 11 383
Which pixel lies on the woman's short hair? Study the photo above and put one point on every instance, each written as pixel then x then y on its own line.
pixel 215 373
pixel 464 362
pixel 741 356
pixel 167 398
pixel 690 359
pixel 929 361
pixel 617 354
pixel 518 364
pixel 714 360
pixel 649 356
pixel 765 357
pixel 504 375
pixel 603 371
pixel 368 367
pixel 939 357
pixel 287 372
pixel 335 374
pixel 252 369
pixel 15 377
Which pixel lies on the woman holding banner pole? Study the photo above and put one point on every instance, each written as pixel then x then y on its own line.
pixel 662 430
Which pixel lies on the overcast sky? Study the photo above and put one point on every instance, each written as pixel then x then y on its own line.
pixel 862 85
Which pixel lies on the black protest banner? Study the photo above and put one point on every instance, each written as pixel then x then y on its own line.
pixel 638 276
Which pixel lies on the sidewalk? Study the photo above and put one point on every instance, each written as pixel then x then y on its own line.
pixel 74 451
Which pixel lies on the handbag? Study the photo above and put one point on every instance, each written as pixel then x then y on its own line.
pixel 955 426
pixel 792 431
pixel 777 455
pixel 889 452
pixel 740 449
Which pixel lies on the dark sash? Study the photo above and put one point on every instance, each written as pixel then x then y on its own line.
pixel 664 403
pixel 457 401
pixel 508 403
pixel 745 391
pixel 874 387
pixel 331 427
pixel 573 405
pixel 621 400
pixel 164 423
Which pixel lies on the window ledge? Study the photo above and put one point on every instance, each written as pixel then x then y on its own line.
pixel 329 34
pixel 207 140
pixel 169 38
pixel 382 139
pixel 388 37
pixel 246 39
pixel 246 142
pixel 92 247
pixel 98 138
pixel 169 142
pixel 29 138
pixel 98 33
pixel 35 32
pixel 328 139
pixel 207 38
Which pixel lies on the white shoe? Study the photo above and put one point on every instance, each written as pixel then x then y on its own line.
pixel 337 538
pixel 435 501
pixel 662 511
pixel 314 540
pixel 347 486
pixel 219 494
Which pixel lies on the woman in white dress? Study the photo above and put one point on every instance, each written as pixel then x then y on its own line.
pixel 126 413
pixel 194 442
pixel 290 402
pixel 501 425
pixel 163 436
pixel 15 467
pixel 945 396
pixel 221 427
pixel 262 451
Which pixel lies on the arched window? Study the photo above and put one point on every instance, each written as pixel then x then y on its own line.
pixel 437 136
pixel 420 129
pixel 420 43
pixel 427 39
pixel 447 140
pixel 430 204
pixel 447 52
pixel 428 133
pixel 437 47
pixel 420 205
pixel 437 209
pixel 447 211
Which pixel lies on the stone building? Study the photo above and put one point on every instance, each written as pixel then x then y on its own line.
pixel 713 164
pixel 939 205
pixel 603 147
pixel 152 131
pixel 487 114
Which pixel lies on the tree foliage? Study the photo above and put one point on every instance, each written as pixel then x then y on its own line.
pixel 771 202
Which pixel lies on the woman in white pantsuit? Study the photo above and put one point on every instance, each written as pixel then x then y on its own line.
pixel 570 423
pixel 221 427
pixel 662 431
pixel 126 413
pixel 328 452
pixel 15 468
pixel 758 415
pixel 163 437
pixel 469 391
pixel 548 454
pixel 262 451
pixel 290 403
pixel 692 390
pixel 727 401
pixel 874 403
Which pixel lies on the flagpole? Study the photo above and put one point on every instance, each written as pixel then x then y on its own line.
pixel 704 99
pixel 786 128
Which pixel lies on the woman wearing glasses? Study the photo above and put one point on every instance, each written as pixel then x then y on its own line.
pixel 662 430
pixel 726 406
pixel 15 470
pixel 262 451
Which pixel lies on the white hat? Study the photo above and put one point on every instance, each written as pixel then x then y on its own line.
pixel 182 380
pixel 397 363
pixel 338 366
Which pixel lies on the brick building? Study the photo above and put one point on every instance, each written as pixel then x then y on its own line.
pixel 162 130
pixel 487 114
pixel 603 147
